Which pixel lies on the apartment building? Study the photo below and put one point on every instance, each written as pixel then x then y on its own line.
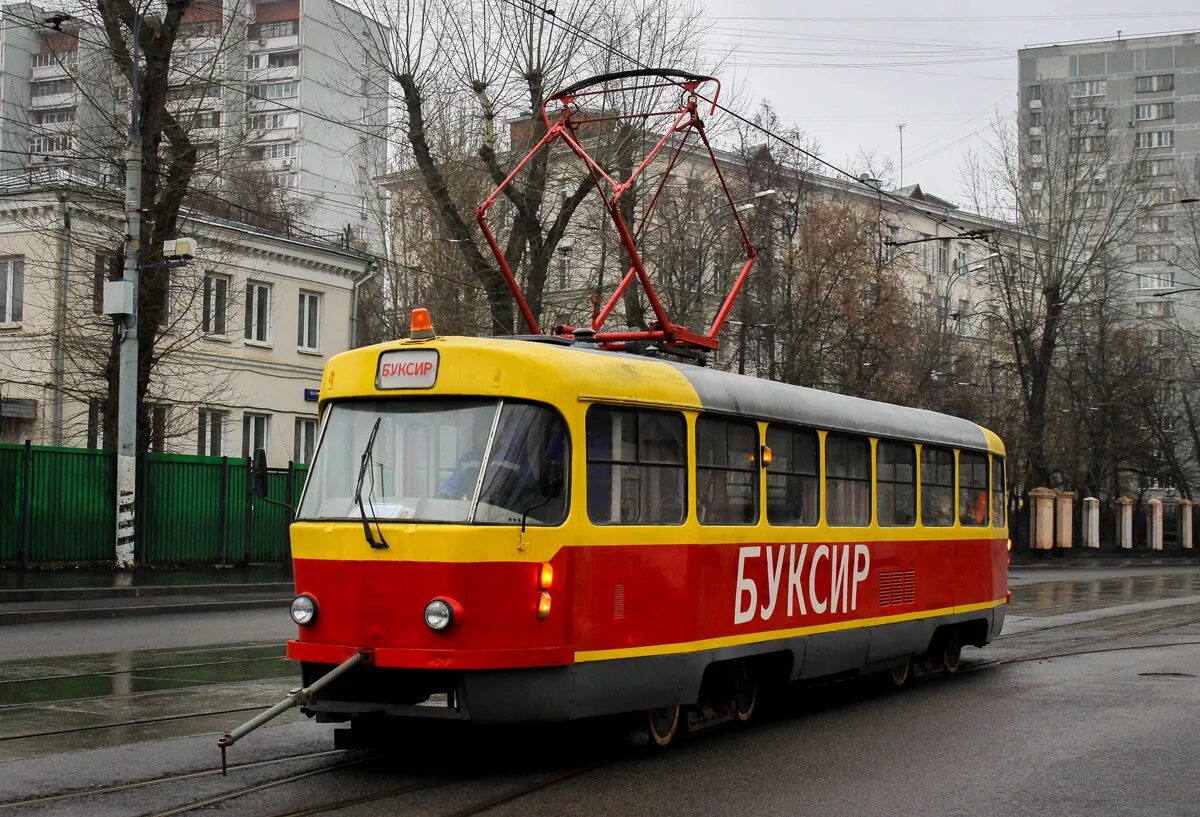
pixel 1139 94
pixel 250 323
pixel 284 89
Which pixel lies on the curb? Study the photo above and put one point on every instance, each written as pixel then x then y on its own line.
pixel 16 617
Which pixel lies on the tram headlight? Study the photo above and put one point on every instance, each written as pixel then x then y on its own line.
pixel 304 609
pixel 439 615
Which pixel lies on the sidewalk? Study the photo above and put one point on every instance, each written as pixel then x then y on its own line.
pixel 28 596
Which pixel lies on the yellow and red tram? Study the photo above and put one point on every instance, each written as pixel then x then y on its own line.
pixel 517 530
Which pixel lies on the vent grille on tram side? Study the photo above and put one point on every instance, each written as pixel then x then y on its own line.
pixel 897 587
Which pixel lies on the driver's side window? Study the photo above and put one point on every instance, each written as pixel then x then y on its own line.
pixel 527 467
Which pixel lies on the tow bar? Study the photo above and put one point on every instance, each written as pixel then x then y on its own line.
pixel 296 697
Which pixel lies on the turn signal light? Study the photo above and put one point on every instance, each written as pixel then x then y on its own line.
pixel 544 605
pixel 1010 545
pixel 767 455
pixel 546 577
pixel 422 324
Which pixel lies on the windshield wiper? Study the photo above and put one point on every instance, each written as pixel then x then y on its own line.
pixel 363 465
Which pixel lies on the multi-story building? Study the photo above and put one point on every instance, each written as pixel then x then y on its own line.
pixel 1134 104
pixel 283 90
pixel 248 327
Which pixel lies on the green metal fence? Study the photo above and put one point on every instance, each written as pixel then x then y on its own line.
pixel 57 505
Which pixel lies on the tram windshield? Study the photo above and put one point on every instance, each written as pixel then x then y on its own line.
pixel 454 461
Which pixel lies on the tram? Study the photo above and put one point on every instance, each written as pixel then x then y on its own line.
pixel 533 530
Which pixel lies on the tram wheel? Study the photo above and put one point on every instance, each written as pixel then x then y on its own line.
pixel 901 675
pixel 663 725
pixel 951 655
pixel 745 693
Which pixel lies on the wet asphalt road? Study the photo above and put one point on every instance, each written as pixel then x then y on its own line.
pixel 1090 704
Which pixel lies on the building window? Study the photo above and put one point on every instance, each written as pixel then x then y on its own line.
pixel 62 117
pixel 1087 116
pixel 1156 139
pixel 216 303
pixel 1156 252
pixel 208 119
pixel 896 483
pixel 283 59
pixel 12 289
pixel 1154 224
pixel 1035 92
pixel 998 490
pixel 306 440
pixel 1160 195
pixel 158 428
pixel 54 86
pixel 726 471
pixel 1163 279
pixel 1154 110
pixel 1158 308
pixel 95 423
pixel 1158 82
pixel 273 90
pixel 1157 167
pixel 1088 88
pixel 308 322
pixel 203 28
pixel 47 59
pixel 258 312
pixel 208 437
pixel 1087 144
pixel 279 28
pixel 636 467
pixel 937 487
pixel 266 121
pixel 254 433
pixel 50 143
pixel 1035 147
pixel 1035 119
pixel 847 480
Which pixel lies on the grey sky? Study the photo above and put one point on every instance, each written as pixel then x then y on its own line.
pixel 943 68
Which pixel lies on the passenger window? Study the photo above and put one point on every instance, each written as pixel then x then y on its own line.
pixel 847 480
pixel 793 477
pixel 937 487
pixel 726 471
pixel 973 489
pixel 636 467
pixel 896 483
pixel 998 490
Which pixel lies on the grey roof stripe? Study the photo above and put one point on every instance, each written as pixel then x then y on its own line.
pixel 768 400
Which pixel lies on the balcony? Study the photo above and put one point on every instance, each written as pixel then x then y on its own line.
pixel 66 99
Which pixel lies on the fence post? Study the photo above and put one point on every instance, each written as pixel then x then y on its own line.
pixel 1064 510
pixel 26 501
pixel 1124 522
pixel 1091 522
pixel 1185 523
pixel 1041 514
pixel 1154 524
pixel 223 511
pixel 288 513
pixel 248 531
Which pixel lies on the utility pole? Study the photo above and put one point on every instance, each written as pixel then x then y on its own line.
pixel 900 128
pixel 127 420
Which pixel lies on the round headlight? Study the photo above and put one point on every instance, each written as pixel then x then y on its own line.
pixel 304 609
pixel 439 615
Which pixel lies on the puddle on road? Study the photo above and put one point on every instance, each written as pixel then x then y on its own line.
pixel 127 673
pixel 1057 598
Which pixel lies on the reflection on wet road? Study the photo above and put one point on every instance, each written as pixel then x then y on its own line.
pixel 1054 598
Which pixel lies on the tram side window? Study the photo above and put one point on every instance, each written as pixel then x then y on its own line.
pixel 937 487
pixel 636 467
pixel 896 483
pixel 998 492
pixel 726 471
pixel 847 480
pixel 793 477
pixel 973 489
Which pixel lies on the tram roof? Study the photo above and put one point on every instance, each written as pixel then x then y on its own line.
pixel 769 400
